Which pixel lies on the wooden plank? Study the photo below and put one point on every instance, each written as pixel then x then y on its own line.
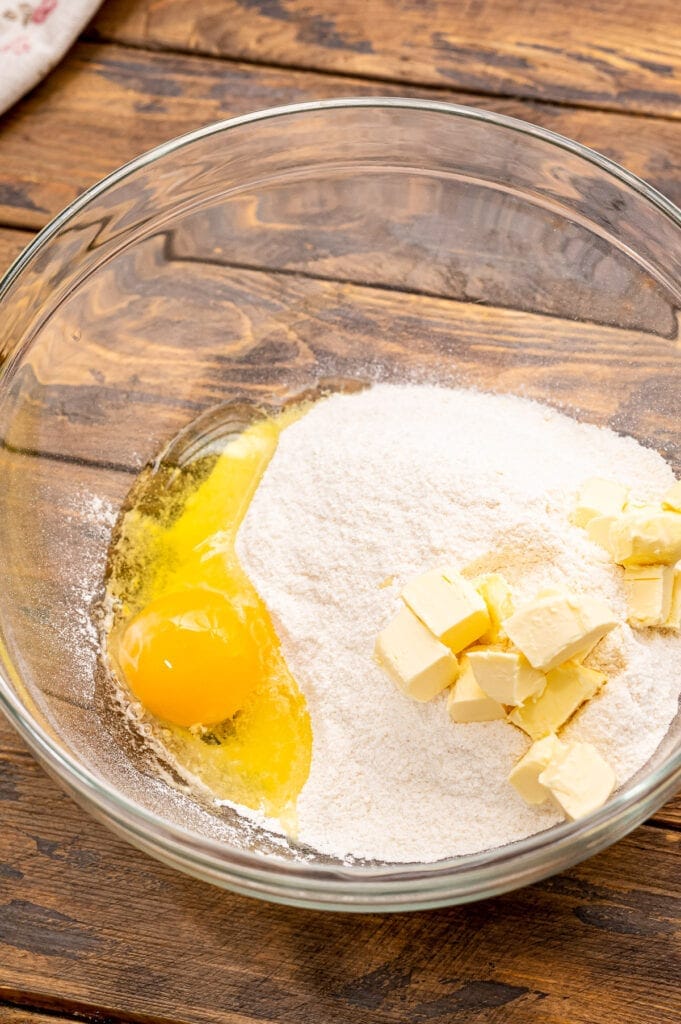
pixel 187 335
pixel 11 244
pixel 670 814
pixel 56 142
pixel 604 54
pixel 18 1014
pixel 69 891
pixel 46 1010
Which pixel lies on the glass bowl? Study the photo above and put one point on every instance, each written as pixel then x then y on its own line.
pixel 356 239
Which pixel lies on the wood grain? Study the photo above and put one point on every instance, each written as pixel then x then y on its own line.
pixel 190 335
pixel 11 244
pixel 89 928
pixel 18 1014
pixel 70 892
pixel 56 142
pixel 605 54
pixel 670 814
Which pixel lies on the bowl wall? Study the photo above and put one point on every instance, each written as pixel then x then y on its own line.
pixel 389 240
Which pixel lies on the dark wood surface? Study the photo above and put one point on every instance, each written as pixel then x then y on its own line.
pixel 604 53
pixel 90 923
pixel 90 929
pixel 55 142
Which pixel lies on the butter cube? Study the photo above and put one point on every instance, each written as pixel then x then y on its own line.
pixel 672 499
pixel 496 593
pixel 525 775
pixel 449 606
pixel 649 594
pixel 646 538
pixel 674 617
pixel 418 662
pixel 579 779
pixel 598 497
pixel 598 530
pixel 506 676
pixel 553 628
pixel 566 688
pixel 583 655
pixel 468 703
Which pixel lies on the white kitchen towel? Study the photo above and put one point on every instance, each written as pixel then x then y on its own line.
pixel 33 37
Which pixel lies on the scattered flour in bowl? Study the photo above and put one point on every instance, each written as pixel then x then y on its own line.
pixel 369 489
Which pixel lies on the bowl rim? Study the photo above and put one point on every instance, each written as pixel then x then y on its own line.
pixel 332 885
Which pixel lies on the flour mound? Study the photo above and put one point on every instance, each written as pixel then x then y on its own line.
pixel 372 488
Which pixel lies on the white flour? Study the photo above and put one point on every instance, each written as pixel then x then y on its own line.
pixel 387 483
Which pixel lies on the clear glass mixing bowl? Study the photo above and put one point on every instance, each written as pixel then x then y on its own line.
pixel 391 239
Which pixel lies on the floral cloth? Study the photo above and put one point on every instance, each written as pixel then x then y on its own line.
pixel 33 37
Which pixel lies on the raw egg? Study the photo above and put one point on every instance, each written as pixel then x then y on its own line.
pixel 191 657
pixel 194 642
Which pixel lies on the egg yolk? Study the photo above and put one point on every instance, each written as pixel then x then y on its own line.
pixel 196 644
pixel 191 657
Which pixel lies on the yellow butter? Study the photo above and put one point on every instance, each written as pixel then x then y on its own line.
pixel 598 530
pixel 649 591
pixel 553 628
pixel 421 666
pixel 468 703
pixel 646 538
pixel 496 593
pixel 525 774
pixel 579 779
pixel 674 617
pixel 506 676
pixel 583 655
pixel 598 497
pixel 672 499
pixel 449 606
pixel 567 687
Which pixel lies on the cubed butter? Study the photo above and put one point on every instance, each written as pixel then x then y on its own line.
pixel 419 663
pixel 449 606
pixel 468 703
pixel 525 774
pixel 506 676
pixel 598 530
pixel 583 655
pixel 646 538
pixel 579 779
pixel 598 497
pixel 496 593
pixel 649 591
pixel 553 628
pixel 672 499
pixel 567 687
pixel 674 617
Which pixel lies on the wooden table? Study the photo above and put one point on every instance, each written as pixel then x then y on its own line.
pixel 89 928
